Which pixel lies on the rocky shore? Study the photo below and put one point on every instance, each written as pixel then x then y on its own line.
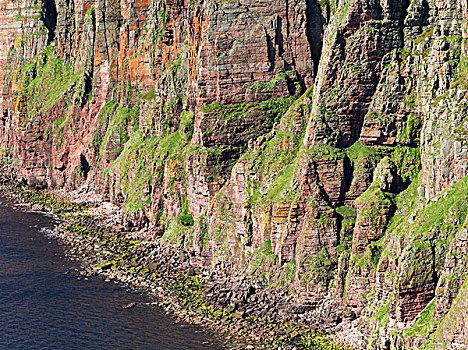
pixel 239 309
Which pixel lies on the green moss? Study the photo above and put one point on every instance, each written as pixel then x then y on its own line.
pixel 407 161
pixel 141 159
pixel 262 261
pixel 6 156
pixel 428 33
pixel 223 119
pixel 375 251
pixel 412 130
pixel 273 108
pixel 170 143
pixel 426 230
pixel 448 326
pixel 54 80
pixel 287 275
pixel 380 318
pixel 361 261
pixel 375 195
pixel 423 324
pixel 185 218
pixel 346 211
pixel 277 155
pixel 175 233
pixel 282 183
pixel 318 269
pixel 462 128
pixel 359 151
pixel 405 54
pixel 441 214
pixel 325 152
pixel 260 86
pixel 91 13
pixel 102 133
pixel 149 96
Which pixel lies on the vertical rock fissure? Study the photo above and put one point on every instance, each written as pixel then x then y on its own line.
pixel 292 86
pixel 403 15
pixel 348 178
pixel 88 87
pixel 103 18
pixel 328 11
pixel 435 277
pixel 279 40
pixel 50 19
pixel 314 31
pixel 84 166
pixel 271 51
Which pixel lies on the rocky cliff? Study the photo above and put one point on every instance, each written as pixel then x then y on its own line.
pixel 319 145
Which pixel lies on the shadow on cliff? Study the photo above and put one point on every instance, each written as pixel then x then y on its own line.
pixel 49 17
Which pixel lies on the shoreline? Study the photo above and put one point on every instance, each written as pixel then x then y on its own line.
pixel 188 293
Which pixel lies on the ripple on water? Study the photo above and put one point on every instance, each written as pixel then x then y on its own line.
pixel 42 307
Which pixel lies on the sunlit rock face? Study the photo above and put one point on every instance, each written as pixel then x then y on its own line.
pixel 318 145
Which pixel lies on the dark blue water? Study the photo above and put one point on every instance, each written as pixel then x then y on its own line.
pixel 43 307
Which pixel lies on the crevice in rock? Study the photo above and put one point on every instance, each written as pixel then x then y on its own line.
pixel 50 19
pixel 271 52
pixel 279 40
pixel 328 9
pixel 435 277
pixel 348 178
pixel 377 11
pixel 314 31
pixel 88 88
pixel 110 25
pixel 339 227
pixel 423 16
pixel 403 15
pixel 292 86
pixel 84 166
pixel 426 10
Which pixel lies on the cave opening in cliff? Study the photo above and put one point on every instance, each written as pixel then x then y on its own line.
pixel 84 166
pixel 50 18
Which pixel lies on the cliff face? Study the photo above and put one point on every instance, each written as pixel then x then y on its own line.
pixel 319 145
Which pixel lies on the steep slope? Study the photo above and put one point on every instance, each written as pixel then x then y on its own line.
pixel 318 145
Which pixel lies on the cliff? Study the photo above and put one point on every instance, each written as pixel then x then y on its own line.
pixel 319 145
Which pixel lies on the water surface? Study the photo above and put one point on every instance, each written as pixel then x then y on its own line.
pixel 43 304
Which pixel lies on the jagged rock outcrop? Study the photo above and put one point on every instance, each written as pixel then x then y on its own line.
pixel 318 145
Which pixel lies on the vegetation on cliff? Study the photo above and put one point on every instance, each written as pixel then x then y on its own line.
pixel 318 147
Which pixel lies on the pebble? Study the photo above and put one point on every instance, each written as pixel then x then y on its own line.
pixel 130 306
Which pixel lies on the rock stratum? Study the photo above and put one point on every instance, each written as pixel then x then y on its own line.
pixel 318 145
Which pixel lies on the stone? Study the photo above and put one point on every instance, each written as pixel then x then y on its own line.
pixel 130 305
pixel 106 266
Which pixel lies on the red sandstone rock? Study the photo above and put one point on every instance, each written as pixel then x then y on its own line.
pixel 182 110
